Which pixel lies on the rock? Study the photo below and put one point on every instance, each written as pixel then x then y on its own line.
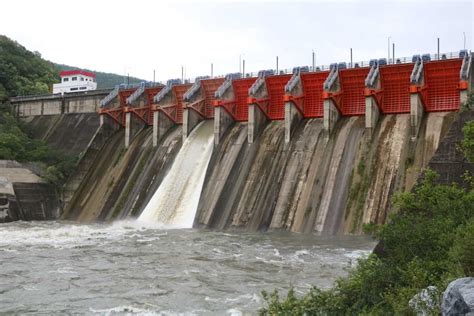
pixel 425 302
pixel 458 299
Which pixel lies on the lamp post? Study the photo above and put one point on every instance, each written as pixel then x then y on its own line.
pixel 388 40
pixel 438 49
pixel 240 63
pixel 277 65
pixel 393 52
pixel 351 66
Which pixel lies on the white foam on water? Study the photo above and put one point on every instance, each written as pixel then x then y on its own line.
pixel 124 310
pixel 175 202
pixel 70 235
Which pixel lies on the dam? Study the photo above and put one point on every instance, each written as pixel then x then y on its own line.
pixel 311 150
pixel 191 197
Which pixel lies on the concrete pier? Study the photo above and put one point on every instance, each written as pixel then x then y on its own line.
pixel 225 94
pixel 372 109
pixel 133 125
pixel 292 118
pixel 372 113
pixel 257 117
pixel 416 113
pixel 294 88
pixel 161 125
pixel 191 119
pixel 331 115
pixel 331 112
pixel 128 128
pixel 222 121
pixel 257 121
pixel 416 102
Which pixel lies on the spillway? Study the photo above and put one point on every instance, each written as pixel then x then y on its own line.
pixel 175 202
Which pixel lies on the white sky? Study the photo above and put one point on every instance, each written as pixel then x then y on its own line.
pixel 138 36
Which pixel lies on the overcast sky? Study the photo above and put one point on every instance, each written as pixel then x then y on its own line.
pixel 138 36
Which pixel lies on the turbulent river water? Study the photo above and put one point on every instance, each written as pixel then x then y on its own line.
pixel 132 267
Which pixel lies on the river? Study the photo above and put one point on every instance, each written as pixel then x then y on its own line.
pixel 133 267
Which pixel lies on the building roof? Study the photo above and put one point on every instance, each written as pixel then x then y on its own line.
pixel 76 72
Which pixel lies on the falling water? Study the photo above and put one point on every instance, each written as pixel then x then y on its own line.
pixel 175 202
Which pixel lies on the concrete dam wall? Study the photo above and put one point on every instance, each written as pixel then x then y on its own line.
pixel 322 183
pixel 121 182
pixel 313 152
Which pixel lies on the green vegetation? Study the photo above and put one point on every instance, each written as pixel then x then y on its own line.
pixel 467 144
pixel 429 241
pixel 358 192
pixel 23 72
pixel 104 80
pixel 16 144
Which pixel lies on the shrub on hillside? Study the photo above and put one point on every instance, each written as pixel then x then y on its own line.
pixel 429 241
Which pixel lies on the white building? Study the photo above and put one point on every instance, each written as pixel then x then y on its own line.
pixel 75 81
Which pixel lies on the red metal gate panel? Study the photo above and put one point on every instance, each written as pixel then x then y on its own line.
pixel 124 94
pixel 241 93
pixel 276 92
pixel 313 93
pixel 150 94
pixel 395 86
pixel 442 83
pixel 179 90
pixel 352 86
pixel 210 86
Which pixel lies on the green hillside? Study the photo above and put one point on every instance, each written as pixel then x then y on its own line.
pixel 23 72
pixel 104 80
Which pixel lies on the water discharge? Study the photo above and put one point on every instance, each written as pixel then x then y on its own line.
pixel 175 202
pixel 131 267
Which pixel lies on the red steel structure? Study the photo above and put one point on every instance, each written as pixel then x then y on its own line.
pixel 440 92
pixel 352 81
pixel 350 98
pixel 205 105
pixel 442 85
pixel 238 107
pixel 144 113
pixel 274 104
pixel 394 94
pixel 310 102
pixel 174 111
pixel 117 114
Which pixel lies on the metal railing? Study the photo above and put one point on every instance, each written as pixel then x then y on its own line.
pixel 136 94
pixel 355 64
pixel 112 95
